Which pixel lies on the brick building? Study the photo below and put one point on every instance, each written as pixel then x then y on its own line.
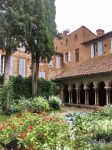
pixel 82 63
pixel 86 76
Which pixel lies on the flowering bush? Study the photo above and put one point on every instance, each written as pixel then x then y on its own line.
pixel 36 132
pixel 54 102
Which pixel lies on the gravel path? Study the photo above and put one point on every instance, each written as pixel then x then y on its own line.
pixel 65 110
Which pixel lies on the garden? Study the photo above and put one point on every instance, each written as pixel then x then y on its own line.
pixel 36 123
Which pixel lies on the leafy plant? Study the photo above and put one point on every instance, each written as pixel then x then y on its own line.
pixel 54 102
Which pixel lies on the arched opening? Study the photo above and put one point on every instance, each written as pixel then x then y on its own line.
pixel 66 94
pixel 102 94
pixel 91 94
pixel 82 94
pixel 74 95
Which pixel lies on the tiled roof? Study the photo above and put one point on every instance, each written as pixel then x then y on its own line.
pixel 93 66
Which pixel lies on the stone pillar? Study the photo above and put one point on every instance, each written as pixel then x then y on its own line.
pixel 77 95
pixel 96 88
pixel 70 93
pixel 108 88
pixel 62 93
pixel 86 89
pixel 96 96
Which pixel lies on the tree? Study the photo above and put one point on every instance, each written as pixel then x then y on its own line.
pixel 39 37
pixel 10 33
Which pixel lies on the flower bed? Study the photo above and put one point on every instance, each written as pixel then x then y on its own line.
pixel 36 132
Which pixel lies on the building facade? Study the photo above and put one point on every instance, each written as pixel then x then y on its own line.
pixel 86 76
pixel 82 64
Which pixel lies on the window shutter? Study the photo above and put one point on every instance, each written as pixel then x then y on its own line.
pixel 69 56
pixel 64 57
pixel 11 65
pixel 100 48
pixel 57 62
pixel 22 68
pixel 0 65
pixel 92 51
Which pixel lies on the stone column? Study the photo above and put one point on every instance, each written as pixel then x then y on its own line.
pixel 108 88
pixel 86 89
pixel 96 94
pixel 70 93
pixel 77 95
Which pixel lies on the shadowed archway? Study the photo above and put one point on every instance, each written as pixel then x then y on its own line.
pixel 74 94
pixel 82 94
pixel 91 94
pixel 102 94
pixel 66 94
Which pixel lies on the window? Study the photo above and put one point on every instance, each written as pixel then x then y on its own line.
pixel 57 61
pixel 66 57
pixel 66 41
pixel 42 75
pixel 77 55
pixel 2 64
pixel 22 67
pixel 51 63
pixel 75 37
pixel 96 49
pixel 56 48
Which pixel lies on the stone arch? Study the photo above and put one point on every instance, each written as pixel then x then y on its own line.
pixel 66 94
pixel 74 94
pixel 102 94
pixel 91 94
pixel 82 94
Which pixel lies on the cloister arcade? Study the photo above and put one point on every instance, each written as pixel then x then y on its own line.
pixel 95 90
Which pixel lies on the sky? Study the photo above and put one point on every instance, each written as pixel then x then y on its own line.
pixel 94 14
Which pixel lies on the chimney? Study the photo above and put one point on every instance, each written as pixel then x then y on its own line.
pixel 99 32
pixel 65 32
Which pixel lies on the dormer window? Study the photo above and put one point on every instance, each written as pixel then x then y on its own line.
pixel 96 49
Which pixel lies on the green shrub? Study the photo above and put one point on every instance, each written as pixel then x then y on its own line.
pixel 39 104
pixel 54 102
pixel 47 88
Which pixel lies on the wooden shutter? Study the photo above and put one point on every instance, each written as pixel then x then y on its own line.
pixel 64 57
pixel 92 51
pixel 69 56
pixel 100 48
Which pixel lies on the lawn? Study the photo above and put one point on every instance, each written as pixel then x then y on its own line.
pixel 3 117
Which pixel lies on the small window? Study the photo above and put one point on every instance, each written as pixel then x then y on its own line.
pixel 51 63
pixel 77 55
pixel 22 67
pixel 57 61
pixel 66 57
pixel 66 42
pixel 75 37
pixel 42 75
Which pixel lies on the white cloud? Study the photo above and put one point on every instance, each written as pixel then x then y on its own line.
pixel 93 14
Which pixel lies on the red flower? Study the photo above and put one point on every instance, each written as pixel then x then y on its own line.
pixel 23 134
pixel 30 128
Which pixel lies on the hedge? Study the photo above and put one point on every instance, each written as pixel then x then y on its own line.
pixel 21 87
